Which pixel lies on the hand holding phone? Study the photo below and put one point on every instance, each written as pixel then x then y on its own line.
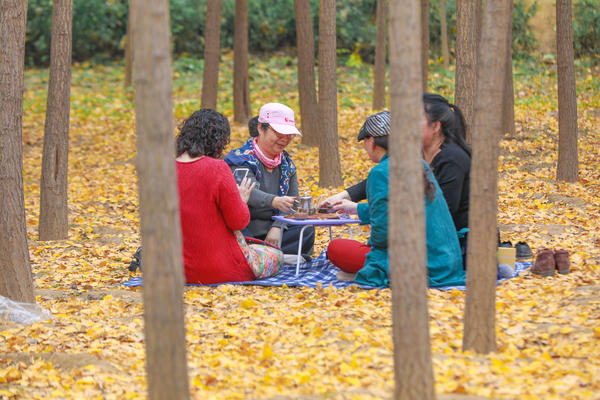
pixel 239 174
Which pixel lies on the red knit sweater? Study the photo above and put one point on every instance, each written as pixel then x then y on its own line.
pixel 211 209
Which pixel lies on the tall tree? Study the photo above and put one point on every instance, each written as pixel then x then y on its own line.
pixel 467 41
pixel 129 48
pixel 16 281
pixel 480 308
pixel 380 53
pixel 425 41
pixel 241 86
pixel 508 113
pixel 54 224
pixel 413 371
pixel 159 209
pixel 212 47
pixel 330 171
pixel 567 167
pixel 309 109
pixel 444 29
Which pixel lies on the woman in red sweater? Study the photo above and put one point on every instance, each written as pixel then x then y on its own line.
pixel 212 207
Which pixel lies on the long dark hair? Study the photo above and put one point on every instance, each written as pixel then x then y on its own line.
pixel 454 127
pixel 204 133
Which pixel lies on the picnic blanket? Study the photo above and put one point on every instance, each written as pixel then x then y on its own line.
pixel 318 272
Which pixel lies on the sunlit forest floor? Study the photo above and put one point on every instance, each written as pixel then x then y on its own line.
pixel 300 343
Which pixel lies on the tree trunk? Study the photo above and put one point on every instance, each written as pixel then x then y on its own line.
pixel 241 88
pixel 425 41
pixel 413 371
pixel 508 114
pixel 330 171
pixel 159 209
pixel 54 223
pixel 467 42
pixel 567 168
pixel 309 109
pixel 212 49
pixel 16 281
pixel 129 48
pixel 480 307
pixel 380 52
pixel 444 28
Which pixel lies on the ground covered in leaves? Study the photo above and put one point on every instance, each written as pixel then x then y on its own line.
pixel 284 343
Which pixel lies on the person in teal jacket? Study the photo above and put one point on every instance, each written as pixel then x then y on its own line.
pixel 370 262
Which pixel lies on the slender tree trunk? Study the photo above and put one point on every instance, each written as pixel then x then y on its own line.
pixel 413 371
pixel 508 120
pixel 567 168
pixel 212 50
pixel 380 53
pixel 16 281
pixel 241 87
pixel 480 307
pixel 330 171
pixel 444 28
pixel 468 14
pixel 54 223
pixel 425 41
pixel 159 208
pixel 309 109
pixel 129 49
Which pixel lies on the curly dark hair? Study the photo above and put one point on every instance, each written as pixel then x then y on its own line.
pixel 204 133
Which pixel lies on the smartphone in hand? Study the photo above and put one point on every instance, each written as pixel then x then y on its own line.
pixel 239 174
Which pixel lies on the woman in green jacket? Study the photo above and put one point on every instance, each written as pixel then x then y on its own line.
pixel 370 262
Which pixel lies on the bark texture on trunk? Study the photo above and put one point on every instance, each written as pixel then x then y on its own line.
pixel 480 308
pixel 309 109
pixel 129 49
pixel 508 113
pixel 16 281
pixel 413 371
pixel 425 42
pixel 54 213
pixel 380 53
pixel 567 168
pixel 330 171
pixel 468 20
pixel 241 87
pixel 444 29
pixel 159 209
pixel 212 50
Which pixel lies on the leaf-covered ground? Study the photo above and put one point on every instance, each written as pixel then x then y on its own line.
pixel 284 343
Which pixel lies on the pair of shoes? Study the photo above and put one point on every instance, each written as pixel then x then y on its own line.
pixel 523 250
pixel 548 260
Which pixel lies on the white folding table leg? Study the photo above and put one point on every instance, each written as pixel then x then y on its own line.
pixel 300 249
pixel 351 233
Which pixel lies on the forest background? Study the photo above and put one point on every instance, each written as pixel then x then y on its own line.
pixel 249 342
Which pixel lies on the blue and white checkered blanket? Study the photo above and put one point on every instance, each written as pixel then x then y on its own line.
pixel 319 272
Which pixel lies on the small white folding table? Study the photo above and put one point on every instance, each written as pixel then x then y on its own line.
pixel 305 223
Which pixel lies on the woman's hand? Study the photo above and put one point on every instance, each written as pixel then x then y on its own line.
pixel 331 200
pixel 346 206
pixel 283 203
pixel 273 236
pixel 245 188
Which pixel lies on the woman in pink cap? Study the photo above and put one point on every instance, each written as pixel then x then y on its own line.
pixel 264 160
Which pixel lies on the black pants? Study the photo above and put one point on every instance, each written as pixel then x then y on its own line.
pixel 291 236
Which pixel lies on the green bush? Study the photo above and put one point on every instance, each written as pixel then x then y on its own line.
pixel 586 32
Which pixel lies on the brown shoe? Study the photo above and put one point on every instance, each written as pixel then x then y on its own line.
pixel 544 263
pixel 561 258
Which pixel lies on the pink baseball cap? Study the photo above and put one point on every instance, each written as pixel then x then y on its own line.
pixel 280 117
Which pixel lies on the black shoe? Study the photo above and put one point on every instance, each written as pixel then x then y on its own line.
pixel 506 243
pixel 523 250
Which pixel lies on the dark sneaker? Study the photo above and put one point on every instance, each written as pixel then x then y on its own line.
pixel 523 251
pixel 544 263
pixel 506 243
pixel 563 264
pixel 136 263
